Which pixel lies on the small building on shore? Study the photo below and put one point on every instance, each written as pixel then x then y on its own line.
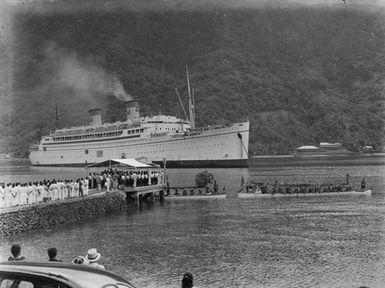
pixel 368 149
pixel 307 148
pixel 5 156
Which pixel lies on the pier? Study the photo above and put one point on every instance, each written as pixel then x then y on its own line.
pixel 99 202
pixel 116 185
pixel 143 193
pixel 48 214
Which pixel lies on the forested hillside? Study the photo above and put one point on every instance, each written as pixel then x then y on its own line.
pixel 301 74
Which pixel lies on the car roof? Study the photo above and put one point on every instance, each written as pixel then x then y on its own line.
pixel 75 274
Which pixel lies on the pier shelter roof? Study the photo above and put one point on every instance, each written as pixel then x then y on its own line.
pixel 123 163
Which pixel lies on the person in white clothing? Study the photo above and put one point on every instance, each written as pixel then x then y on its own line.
pixel 86 186
pixel 8 195
pixel 134 177
pixel 60 189
pixel 2 196
pixel 25 190
pixel 93 257
pixel 72 184
pixel 51 191
pixel 29 191
pixel 63 190
pixel 34 193
pixel 20 195
pixel 40 192
pixel 69 188
pixel 108 183
pixel 76 188
pixel 16 195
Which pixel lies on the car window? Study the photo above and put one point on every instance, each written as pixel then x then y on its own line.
pixel 6 283
pixel 123 285
pixel 25 284
pixel 14 283
pixel 118 285
pixel 21 281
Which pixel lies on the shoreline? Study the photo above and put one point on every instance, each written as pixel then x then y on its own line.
pixel 267 160
pixel 318 160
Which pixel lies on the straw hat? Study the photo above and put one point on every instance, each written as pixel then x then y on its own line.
pixel 93 255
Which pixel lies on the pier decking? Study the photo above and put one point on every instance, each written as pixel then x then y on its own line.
pixel 98 202
pixel 143 193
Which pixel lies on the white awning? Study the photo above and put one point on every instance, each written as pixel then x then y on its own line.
pixel 126 163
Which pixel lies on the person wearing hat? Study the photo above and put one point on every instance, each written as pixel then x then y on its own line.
pixel 187 280
pixel 93 257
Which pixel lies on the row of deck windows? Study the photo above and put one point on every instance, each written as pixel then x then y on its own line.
pixel 98 135
pixel 136 131
pixel 89 136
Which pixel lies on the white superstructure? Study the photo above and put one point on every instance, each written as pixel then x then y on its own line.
pixel 155 138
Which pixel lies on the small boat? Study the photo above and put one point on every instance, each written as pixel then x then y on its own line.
pixel 264 189
pixel 366 192
pixel 243 195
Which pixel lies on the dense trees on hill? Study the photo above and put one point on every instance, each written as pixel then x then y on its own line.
pixel 301 75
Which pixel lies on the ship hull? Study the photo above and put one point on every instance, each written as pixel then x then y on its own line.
pixel 224 147
pixel 236 163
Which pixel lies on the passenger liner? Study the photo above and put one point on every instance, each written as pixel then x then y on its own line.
pixel 157 139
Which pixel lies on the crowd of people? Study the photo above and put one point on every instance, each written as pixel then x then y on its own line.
pixel 131 178
pixel 19 194
pixel 92 259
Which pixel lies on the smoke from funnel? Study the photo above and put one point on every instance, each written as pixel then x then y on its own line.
pixel 118 90
pixel 85 77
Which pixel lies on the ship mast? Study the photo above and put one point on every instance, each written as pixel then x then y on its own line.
pixel 181 104
pixel 190 102
pixel 56 115
pixel 184 111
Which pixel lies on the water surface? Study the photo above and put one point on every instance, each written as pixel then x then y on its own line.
pixel 320 241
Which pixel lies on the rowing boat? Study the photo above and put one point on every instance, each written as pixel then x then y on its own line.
pixel 355 192
pixel 242 195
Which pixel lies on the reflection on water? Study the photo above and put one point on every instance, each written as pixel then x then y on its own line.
pixel 327 241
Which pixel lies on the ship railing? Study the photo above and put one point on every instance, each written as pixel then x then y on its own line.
pixel 123 126
pixel 208 128
pixel 158 134
pixel 106 127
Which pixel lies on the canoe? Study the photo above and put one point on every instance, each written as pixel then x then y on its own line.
pixel 366 192
pixel 356 192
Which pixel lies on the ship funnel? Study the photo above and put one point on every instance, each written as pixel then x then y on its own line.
pixel 132 110
pixel 95 117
